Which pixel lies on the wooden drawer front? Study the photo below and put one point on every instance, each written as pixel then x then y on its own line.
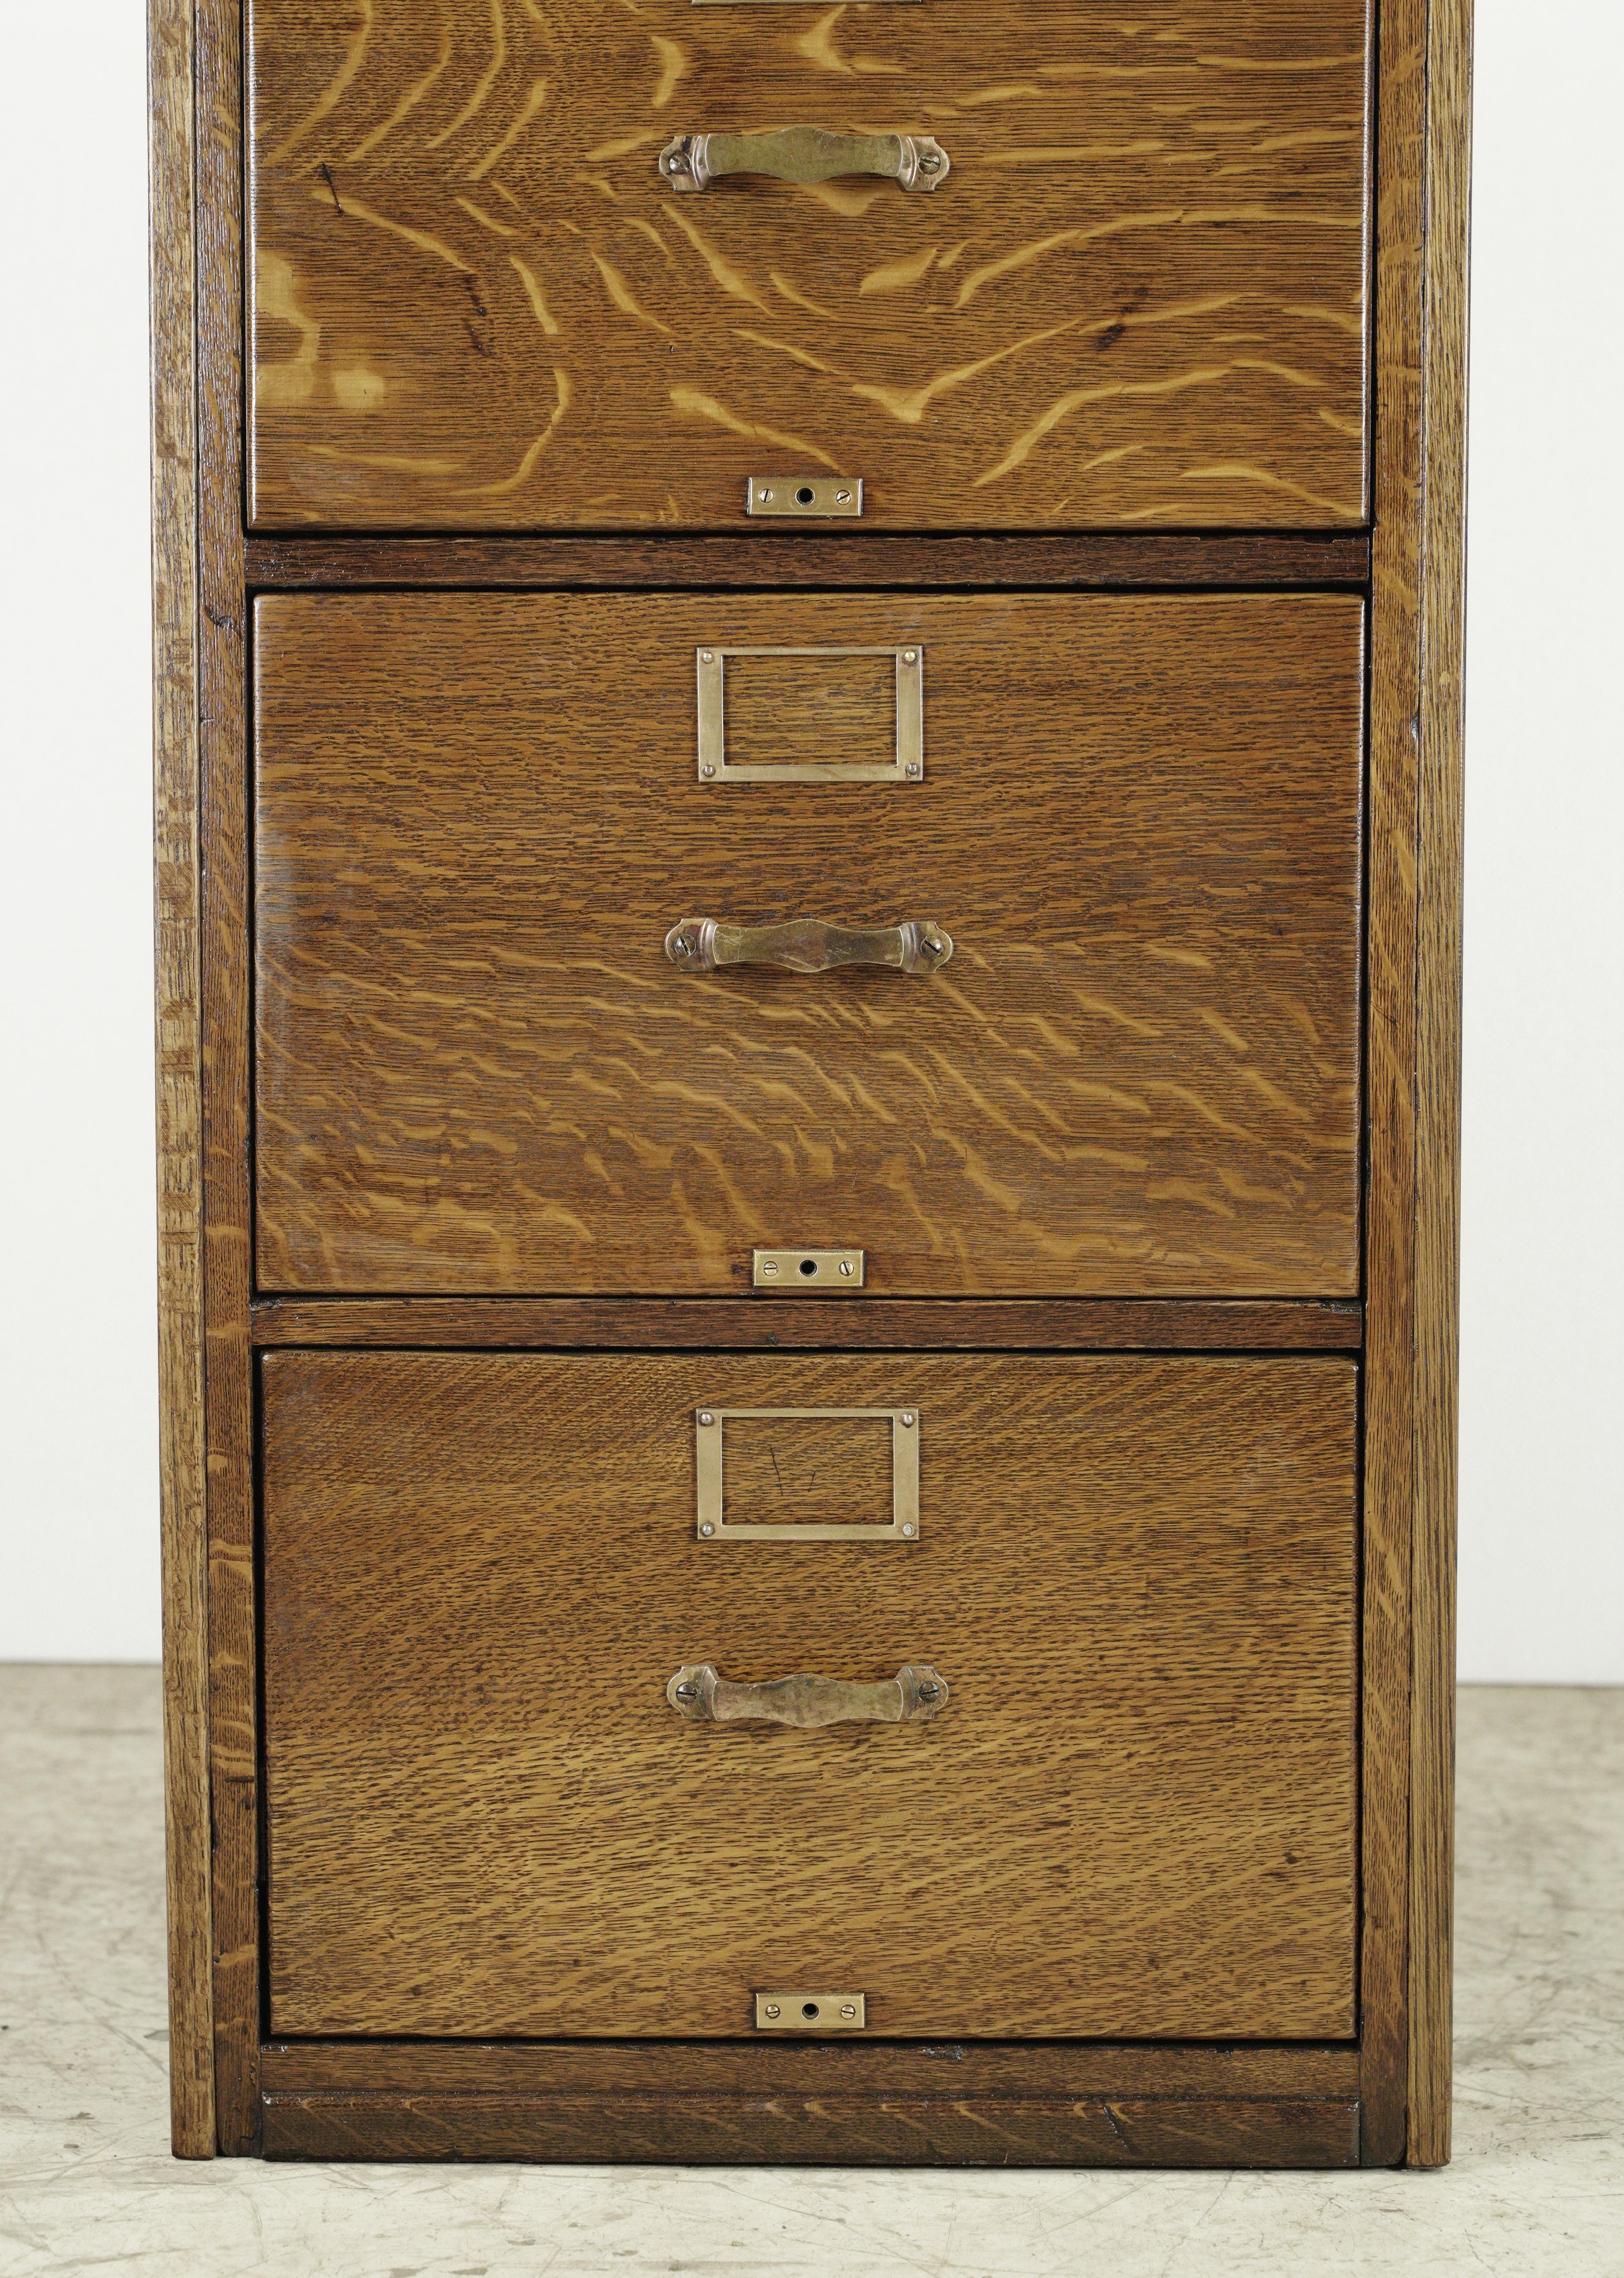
pixel 1135 1817
pixel 1138 297
pixel 479 1071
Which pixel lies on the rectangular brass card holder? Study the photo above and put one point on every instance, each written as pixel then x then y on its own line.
pixel 823 498
pixel 907 767
pixel 810 2013
pixel 711 1527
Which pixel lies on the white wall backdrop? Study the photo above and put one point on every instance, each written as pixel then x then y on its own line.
pixel 1542 1541
pixel 78 1372
pixel 1542 1569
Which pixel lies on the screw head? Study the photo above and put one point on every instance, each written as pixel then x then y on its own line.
pixel 911 1528
pixel 848 2009
pixel 707 770
pixel 907 1415
pixel 705 1416
pixel 913 767
pixel 771 2009
pixel 910 656
pixel 765 497
pixel 847 1269
pixel 769 1265
pixel 842 498
pixel 688 1693
pixel 706 657
pixel 930 1692
pixel 707 1528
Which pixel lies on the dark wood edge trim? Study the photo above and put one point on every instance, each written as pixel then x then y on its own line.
pixel 1109 559
pixel 1437 1082
pixel 885 1324
pixel 227 1220
pixel 822 2130
pixel 182 1473
pixel 767 2067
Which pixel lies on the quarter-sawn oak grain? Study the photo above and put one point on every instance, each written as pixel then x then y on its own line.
pixel 1136 1817
pixel 1401 2094
pixel 226 857
pixel 831 2129
pixel 176 880
pixel 774 2065
pixel 478 1072
pixel 1441 799
pixel 1138 298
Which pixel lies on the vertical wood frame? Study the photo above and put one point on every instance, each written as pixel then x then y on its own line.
pixel 1438 885
pixel 202 916
pixel 181 1462
pixel 1413 981
pixel 226 1012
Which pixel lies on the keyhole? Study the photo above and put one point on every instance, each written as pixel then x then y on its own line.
pixel 809 2009
pixel 806 494
pixel 809 1266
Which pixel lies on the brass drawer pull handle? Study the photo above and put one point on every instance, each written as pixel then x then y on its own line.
pixel 914 1696
pixel 808 945
pixel 806 154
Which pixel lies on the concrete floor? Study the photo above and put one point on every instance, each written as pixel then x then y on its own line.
pixel 86 2180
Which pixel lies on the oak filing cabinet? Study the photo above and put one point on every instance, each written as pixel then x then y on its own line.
pixel 807 713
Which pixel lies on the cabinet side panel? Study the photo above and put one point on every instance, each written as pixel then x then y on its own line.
pixel 226 1134
pixel 1390 1063
pixel 1437 1047
pixel 175 898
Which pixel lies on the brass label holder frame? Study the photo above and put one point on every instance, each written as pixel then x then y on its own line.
pixel 712 1526
pixel 908 767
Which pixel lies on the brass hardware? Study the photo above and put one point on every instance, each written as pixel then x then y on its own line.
pixel 913 1696
pixel 907 767
pixel 710 1517
pixel 810 2013
pixel 810 1271
pixel 808 945
pixel 805 154
pixel 824 497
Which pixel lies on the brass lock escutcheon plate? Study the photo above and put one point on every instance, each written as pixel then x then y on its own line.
pixel 824 498
pixel 712 1526
pixel 808 1272
pixel 810 2013
pixel 907 766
